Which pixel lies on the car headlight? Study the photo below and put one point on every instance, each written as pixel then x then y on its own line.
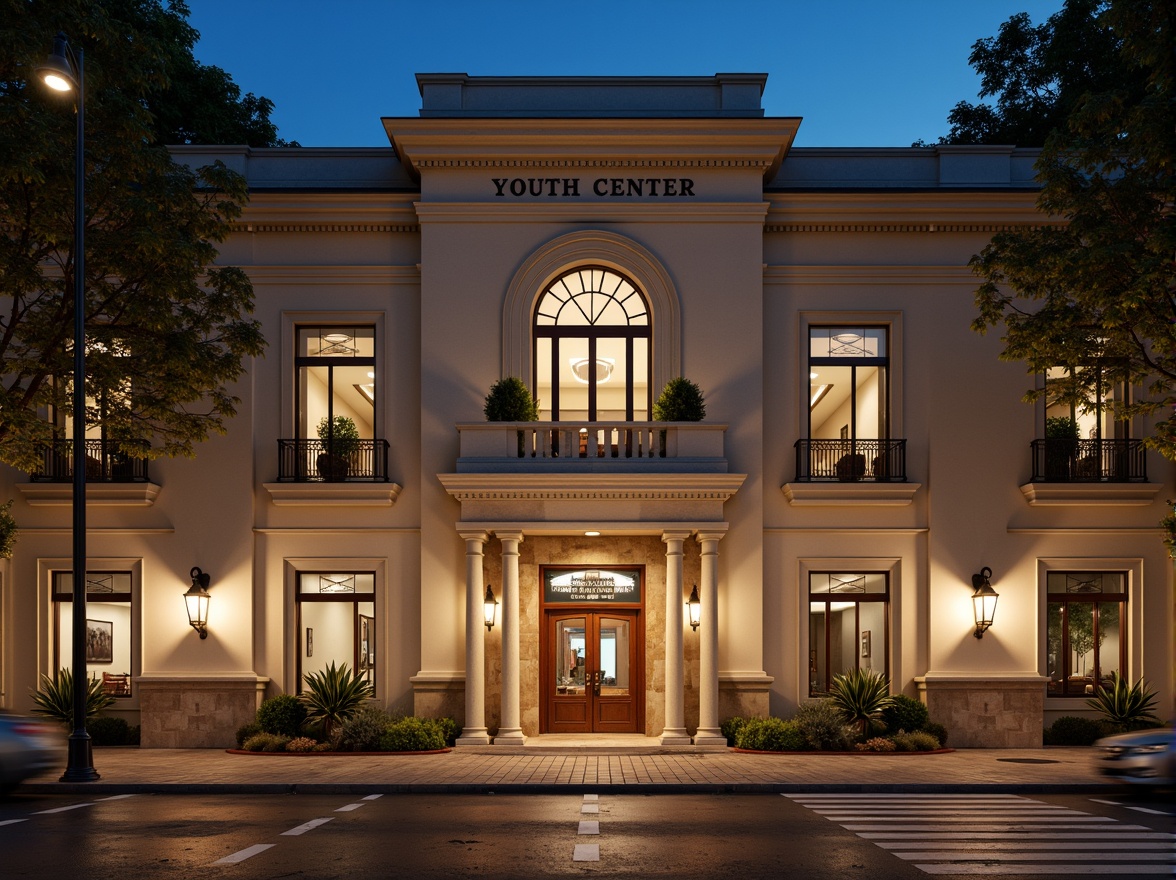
pixel 1151 749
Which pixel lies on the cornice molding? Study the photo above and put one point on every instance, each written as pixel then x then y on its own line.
pixel 282 228
pixel 591 487
pixel 941 228
pixel 594 163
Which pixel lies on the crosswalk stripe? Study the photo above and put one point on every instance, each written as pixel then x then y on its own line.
pixel 991 857
pixel 1018 845
pixel 1019 827
pixel 1114 869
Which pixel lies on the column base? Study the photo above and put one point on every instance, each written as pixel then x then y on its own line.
pixel 509 736
pixel 473 736
pixel 675 736
pixel 709 736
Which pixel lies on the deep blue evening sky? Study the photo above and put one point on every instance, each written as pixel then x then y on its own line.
pixel 860 72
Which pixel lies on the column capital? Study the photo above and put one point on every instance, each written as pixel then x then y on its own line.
pixel 509 535
pixel 710 535
pixel 480 535
pixel 675 535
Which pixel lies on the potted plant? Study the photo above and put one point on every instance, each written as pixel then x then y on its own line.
pixel 510 400
pixel 680 401
pixel 340 439
pixel 1061 446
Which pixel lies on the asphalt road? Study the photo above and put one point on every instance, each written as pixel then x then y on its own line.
pixel 609 835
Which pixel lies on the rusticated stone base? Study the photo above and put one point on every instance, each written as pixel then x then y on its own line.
pixel 986 713
pixel 439 698
pixel 196 713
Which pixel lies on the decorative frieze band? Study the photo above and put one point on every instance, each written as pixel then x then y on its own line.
pixel 591 494
pixel 327 227
pixel 987 228
pixel 592 163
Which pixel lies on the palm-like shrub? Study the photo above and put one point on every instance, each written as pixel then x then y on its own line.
pixel 333 695
pixel 861 695
pixel 1126 706
pixel 54 699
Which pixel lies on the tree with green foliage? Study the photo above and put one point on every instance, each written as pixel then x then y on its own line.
pixel 168 331
pixel 1094 291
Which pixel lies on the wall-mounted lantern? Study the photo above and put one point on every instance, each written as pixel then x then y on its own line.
pixel 489 607
pixel 196 601
pixel 983 601
pixel 694 607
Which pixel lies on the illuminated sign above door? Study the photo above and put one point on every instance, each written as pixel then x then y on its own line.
pixel 592 585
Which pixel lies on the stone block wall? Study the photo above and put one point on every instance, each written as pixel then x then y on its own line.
pixel 181 713
pixel 987 713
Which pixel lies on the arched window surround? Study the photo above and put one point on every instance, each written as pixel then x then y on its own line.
pixel 592 247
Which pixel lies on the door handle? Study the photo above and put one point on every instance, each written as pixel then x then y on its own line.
pixel 596 676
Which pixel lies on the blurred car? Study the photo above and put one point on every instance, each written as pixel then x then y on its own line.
pixel 27 747
pixel 1143 757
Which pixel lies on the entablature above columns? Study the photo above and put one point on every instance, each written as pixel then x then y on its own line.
pixel 597 500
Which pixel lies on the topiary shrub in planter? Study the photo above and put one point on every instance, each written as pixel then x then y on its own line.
pixel 1071 730
pixel 904 713
pixel 1061 447
pixel 340 439
pixel 412 735
pixel 282 714
pixel 771 735
pixel 731 726
pixel 510 400
pixel 824 726
pixel 680 401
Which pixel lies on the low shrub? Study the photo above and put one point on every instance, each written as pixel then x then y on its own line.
pixel 1071 730
pixel 362 731
pixel 412 735
pixel 282 714
pixel 302 744
pixel 771 735
pixel 905 713
pixel 730 728
pixel 936 730
pixel 918 741
pixel 106 730
pixel 450 729
pixel 824 727
pixel 877 744
pixel 1126 706
pixel 266 742
pixel 245 731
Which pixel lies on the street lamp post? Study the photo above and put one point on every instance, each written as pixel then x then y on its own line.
pixel 64 71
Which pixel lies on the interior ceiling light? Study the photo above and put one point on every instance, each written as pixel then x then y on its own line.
pixel 336 343
pixel 580 366
pixel 592 534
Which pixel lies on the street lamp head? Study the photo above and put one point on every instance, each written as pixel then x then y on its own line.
pixel 59 72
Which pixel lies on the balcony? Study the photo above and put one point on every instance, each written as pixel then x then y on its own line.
pixel 848 461
pixel 104 464
pixel 591 447
pixel 1063 460
pixel 316 461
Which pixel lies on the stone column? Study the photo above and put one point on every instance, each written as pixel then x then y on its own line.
pixel 510 731
pixel 474 732
pixel 674 733
pixel 708 733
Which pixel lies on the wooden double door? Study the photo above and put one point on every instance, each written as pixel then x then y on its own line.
pixel 593 673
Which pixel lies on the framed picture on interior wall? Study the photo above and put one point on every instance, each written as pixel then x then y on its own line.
pixel 99 641
pixel 865 643
pixel 367 644
pixel 310 641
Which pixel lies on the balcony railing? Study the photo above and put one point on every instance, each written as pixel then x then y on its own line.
pixel 583 446
pixel 104 464
pixel 880 461
pixel 316 461
pixel 1062 460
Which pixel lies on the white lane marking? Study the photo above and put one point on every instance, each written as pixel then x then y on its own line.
pixel 1019 827
pixel 12 821
pixel 347 808
pixel 996 858
pixel 1112 803
pixel 1014 836
pixel 892 796
pixel 115 797
pixel 1146 810
pixel 373 797
pixel 586 852
pixel 589 826
pixel 247 853
pixel 1114 869
pixel 307 826
pixel 63 809
pixel 590 808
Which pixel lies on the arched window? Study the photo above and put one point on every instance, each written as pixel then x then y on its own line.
pixel 592 348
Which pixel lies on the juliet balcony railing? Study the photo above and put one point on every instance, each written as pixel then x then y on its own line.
pixel 879 461
pixel 1063 460
pixel 104 464
pixel 591 446
pixel 316 461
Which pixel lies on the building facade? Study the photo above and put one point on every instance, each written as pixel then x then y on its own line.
pixel 864 464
